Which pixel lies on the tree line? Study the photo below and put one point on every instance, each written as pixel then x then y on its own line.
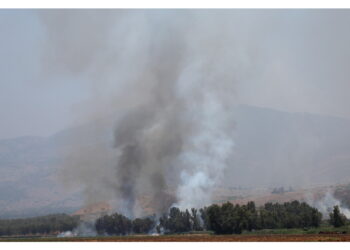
pixel 234 219
pixel 221 219
pixel 117 224
pixel 49 224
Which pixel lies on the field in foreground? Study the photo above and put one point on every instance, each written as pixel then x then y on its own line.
pixel 196 238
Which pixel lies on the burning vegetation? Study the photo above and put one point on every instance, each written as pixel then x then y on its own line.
pixel 224 219
pixel 164 123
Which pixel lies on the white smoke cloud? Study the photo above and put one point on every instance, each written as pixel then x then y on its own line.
pixel 205 154
pixel 85 228
pixel 66 234
pixel 326 204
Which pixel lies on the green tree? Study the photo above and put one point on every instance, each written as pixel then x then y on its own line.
pixel 115 224
pixel 195 220
pixel 213 218
pixel 142 225
pixel 337 219
pixel 176 222
pixel 252 216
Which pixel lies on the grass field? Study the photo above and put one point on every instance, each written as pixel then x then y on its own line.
pixel 327 234
pixel 195 238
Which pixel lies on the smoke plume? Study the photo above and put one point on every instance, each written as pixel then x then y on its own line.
pixel 160 114
pixel 161 109
pixel 326 204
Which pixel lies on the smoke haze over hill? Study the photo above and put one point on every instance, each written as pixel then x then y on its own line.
pixel 160 91
pixel 171 100
pixel 38 162
pixel 169 82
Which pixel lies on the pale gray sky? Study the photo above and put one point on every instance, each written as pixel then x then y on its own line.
pixel 299 61
pixel 30 102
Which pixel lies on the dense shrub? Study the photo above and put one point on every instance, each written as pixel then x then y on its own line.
pixel 144 225
pixel 115 224
pixel 38 225
pixel 289 215
pixel 337 219
pixel 228 219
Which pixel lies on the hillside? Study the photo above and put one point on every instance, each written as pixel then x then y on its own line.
pixel 272 149
pixel 275 148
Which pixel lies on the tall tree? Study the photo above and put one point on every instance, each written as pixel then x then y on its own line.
pixel 337 219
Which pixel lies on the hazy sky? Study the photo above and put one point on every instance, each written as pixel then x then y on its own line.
pixel 30 102
pixel 299 62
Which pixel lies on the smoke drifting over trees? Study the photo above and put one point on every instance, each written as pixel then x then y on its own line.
pixel 171 97
pixel 164 88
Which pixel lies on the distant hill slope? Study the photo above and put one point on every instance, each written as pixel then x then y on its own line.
pixel 28 178
pixel 272 148
pixel 275 148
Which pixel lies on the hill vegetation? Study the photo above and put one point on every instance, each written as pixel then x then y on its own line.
pixel 224 219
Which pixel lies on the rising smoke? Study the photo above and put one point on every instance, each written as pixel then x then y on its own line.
pixel 326 204
pixel 167 113
pixel 164 82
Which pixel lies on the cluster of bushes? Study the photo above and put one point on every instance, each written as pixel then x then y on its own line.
pixel 117 224
pixel 49 224
pixel 179 221
pixel 175 221
pixel 229 218
pixel 289 215
pixel 336 218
